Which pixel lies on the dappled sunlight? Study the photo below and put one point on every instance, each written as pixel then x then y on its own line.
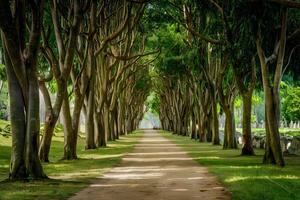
pixel 209 157
pixel 155 145
pixel 242 167
pixel 158 153
pixel 100 156
pixel 145 169
pixel 79 174
pixel 202 152
pixel 156 168
pixel 152 140
pixel 156 159
pixel 5 141
pixel 180 190
pixel 116 146
pixel 243 178
pixel 195 178
pixel 116 185
pixel 136 176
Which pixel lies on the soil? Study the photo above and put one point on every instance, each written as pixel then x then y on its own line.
pixel 157 169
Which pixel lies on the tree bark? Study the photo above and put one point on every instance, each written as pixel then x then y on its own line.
pixel 21 61
pixel 215 122
pixel 17 117
pixel 68 130
pixel 247 104
pixel 229 130
pixel 273 152
pixel 52 115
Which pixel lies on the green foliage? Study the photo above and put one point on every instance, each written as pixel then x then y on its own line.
pixel 2 72
pixel 4 100
pixel 152 103
pixel 258 106
pixel 291 104
pixel 253 118
pixel 238 103
pixel 257 99
pixel 173 50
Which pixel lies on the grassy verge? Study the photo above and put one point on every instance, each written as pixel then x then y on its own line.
pixel 245 177
pixel 67 177
pixel 283 131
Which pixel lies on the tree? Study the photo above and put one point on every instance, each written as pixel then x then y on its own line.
pixel 21 66
pixel 273 152
pixel 61 65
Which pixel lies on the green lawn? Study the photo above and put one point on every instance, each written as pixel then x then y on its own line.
pixel 283 131
pixel 67 177
pixel 245 177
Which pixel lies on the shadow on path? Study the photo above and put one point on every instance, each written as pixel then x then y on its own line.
pixel 156 169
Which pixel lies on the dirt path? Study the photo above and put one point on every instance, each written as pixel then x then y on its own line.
pixel 158 170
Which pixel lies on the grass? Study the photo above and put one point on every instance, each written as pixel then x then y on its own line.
pixel 283 131
pixel 246 177
pixel 67 177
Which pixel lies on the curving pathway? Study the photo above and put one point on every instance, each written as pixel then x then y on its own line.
pixel 157 169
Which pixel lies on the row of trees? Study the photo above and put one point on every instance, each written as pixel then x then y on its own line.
pixel 90 55
pixel 216 50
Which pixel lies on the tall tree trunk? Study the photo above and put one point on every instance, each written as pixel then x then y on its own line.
pixel 229 131
pixel 116 127
pixel 21 61
pixel 121 119
pixel 106 123
pixel 32 160
pixel 17 117
pixel 52 115
pixel 273 152
pixel 247 104
pixel 101 140
pixel 68 130
pixel 215 122
pixel 201 129
pixel 89 125
pixel 194 132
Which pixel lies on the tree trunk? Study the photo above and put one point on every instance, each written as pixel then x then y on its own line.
pixel 23 87
pixel 112 126
pixel 247 104
pixel 17 117
pixel 273 152
pixel 75 124
pixel 32 160
pixel 47 137
pixel 194 132
pixel 116 127
pixel 106 123
pixel 215 121
pixel 201 129
pixel 51 118
pixel 100 131
pixel 89 125
pixel 229 130
pixel 120 120
pixel 68 130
